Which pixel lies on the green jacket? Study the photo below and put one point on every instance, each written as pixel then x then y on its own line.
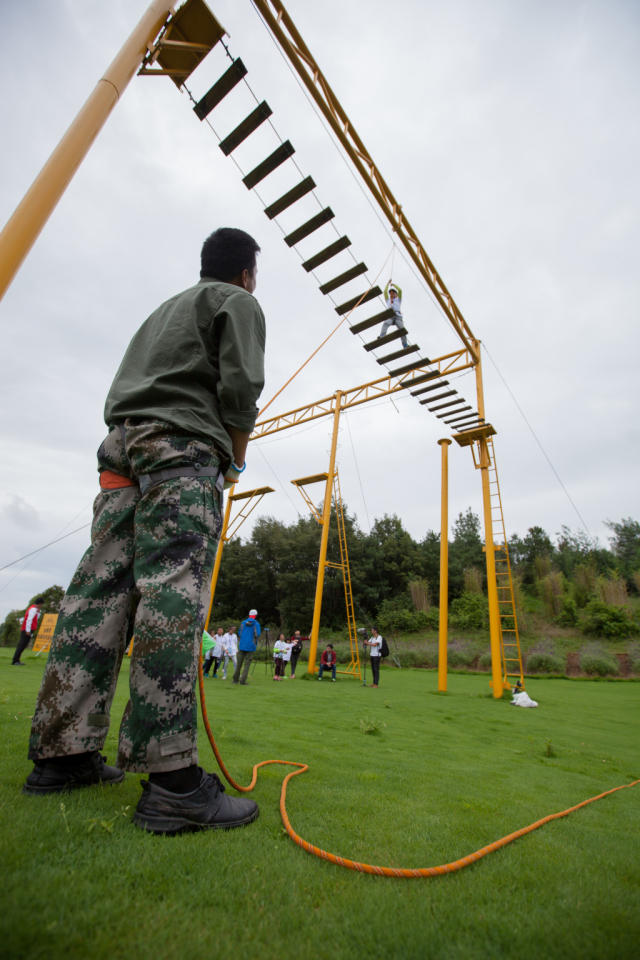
pixel 196 363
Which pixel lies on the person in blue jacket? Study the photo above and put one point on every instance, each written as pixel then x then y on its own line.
pixel 249 633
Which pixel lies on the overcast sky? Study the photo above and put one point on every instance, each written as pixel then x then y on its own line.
pixel 509 133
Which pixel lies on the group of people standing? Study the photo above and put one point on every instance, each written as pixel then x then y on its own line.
pixel 237 645
pixel 287 652
pixel 223 647
pixel 219 649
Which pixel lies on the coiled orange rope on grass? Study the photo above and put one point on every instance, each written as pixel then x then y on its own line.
pixel 410 873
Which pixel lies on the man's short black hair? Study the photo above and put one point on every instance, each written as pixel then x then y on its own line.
pixel 226 253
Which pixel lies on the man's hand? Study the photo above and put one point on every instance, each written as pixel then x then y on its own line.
pixel 232 475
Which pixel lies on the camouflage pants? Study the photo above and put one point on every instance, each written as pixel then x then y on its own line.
pixel 151 553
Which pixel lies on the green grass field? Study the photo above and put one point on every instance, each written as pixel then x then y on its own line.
pixel 399 776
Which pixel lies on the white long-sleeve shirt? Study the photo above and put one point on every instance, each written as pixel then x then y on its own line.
pixel 374 646
pixel 230 643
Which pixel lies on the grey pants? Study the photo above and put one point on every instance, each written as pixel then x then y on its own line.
pixel 242 669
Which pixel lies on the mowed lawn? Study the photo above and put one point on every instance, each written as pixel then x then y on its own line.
pixel 399 776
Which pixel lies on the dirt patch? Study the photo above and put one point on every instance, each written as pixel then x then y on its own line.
pixel 573 664
pixel 624 664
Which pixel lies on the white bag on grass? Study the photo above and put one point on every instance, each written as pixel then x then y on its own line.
pixel 523 699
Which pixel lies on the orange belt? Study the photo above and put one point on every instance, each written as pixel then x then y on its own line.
pixel 114 481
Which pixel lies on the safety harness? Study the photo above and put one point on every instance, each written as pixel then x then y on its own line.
pixel 109 480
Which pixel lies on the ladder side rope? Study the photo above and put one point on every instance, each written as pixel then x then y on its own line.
pixel 359 866
pixel 323 343
pixel 406 259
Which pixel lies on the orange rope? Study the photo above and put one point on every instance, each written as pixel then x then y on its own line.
pixel 405 872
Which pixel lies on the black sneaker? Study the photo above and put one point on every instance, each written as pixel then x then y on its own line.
pixel 207 807
pixel 63 773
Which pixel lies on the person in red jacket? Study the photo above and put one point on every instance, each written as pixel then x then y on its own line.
pixel 328 662
pixel 28 626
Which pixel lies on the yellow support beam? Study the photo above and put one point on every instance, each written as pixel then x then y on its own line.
pixel 374 390
pixel 24 226
pixel 443 613
pixel 324 537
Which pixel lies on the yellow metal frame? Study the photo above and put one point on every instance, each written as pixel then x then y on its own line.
pixel 443 610
pixel 184 42
pixel 196 32
pixel 178 42
pixel 291 42
pixel 353 669
pixel 374 390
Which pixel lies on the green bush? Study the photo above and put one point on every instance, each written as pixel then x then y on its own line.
pixel 459 656
pixel 470 612
pixel 397 615
pixel 568 616
pixel 411 658
pixel 605 620
pixel 429 620
pixel 543 662
pixel 596 663
pixel 484 661
pixel 634 657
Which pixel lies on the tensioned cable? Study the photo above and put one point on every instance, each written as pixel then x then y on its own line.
pixel 355 460
pixel 51 542
pixel 535 437
pixel 279 481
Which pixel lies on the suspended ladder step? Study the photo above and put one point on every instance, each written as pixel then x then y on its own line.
pixel 250 123
pixel 388 338
pixel 397 354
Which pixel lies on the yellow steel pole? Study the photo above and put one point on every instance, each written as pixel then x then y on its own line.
pixel 30 216
pixel 218 560
pixel 444 569
pixel 324 539
pixel 492 586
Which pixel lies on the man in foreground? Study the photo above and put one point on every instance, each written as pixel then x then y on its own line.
pixel 180 412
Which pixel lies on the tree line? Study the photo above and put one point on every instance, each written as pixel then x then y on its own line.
pixel 395 578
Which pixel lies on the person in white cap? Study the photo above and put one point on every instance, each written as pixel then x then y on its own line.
pixel 393 300
pixel 249 632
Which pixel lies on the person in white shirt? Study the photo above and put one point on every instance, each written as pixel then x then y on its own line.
pixel 296 650
pixel 374 643
pixel 217 651
pixel 281 654
pixel 230 650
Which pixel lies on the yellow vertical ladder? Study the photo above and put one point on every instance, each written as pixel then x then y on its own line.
pixel 353 669
pixel 509 636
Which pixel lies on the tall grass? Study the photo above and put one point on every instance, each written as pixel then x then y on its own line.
pixel 443 775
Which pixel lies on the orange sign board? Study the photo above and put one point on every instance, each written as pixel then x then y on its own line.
pixel 45 633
